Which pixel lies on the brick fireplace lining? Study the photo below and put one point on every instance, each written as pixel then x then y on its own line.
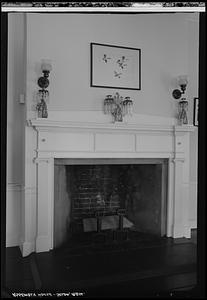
pixel 84 186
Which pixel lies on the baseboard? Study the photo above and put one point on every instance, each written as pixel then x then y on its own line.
pixel 11 187
pixel 13 214
pixel 187 232
pixel 12 240
pixel 43 244
pixel 192 224
pixel 27 248
pixel 192 217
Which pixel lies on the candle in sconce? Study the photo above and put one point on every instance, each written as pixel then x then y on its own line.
pixel 183 80
pixel 46 65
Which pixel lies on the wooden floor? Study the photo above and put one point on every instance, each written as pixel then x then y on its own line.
pixel 162 269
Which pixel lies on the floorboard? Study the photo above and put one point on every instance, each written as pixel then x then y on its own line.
pixel 167 267
pixel 59 271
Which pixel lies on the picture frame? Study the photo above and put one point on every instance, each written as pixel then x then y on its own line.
pixel 115 66
pixel 195 111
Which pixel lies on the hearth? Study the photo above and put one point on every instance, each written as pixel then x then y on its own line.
pixel 109 201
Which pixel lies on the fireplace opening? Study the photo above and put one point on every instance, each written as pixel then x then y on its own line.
pixel 108 200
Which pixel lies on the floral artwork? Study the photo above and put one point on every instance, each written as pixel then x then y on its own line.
pixel 122 62
pixel 115 66
pixel 105 58
pixel 116 74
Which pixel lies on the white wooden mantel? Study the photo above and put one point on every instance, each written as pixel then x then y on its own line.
pixel 71 139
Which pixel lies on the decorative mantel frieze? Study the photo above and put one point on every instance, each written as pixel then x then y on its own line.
pixel 65 138
pixel 58 138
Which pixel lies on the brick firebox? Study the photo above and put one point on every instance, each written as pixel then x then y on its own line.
pixel 83 189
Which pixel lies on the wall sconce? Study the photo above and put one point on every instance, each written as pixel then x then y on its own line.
pixel 182 82
pixel 183 103
pixel 118 107
pixel 43 94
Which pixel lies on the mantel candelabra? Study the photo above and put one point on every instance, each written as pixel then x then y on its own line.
pixel 118 107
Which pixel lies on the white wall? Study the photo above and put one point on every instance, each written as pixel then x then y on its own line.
pixel 16 87
pixel 169 47
pixel 66 38
pixel 15 125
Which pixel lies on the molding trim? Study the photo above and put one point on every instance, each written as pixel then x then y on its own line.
pixel 27 248
pixel 17 187
pixel 12 240
pixel 180 159
pixel 43 243
pixel 187 231
pixel 14 193
pixel 192 224
pixel 47 125
pixel 38 160
pixel 184 128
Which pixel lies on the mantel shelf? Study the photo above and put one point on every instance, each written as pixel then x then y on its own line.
pixel 48 124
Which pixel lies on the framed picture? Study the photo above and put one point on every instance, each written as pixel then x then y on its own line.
pixel 196 109
pixel 115 67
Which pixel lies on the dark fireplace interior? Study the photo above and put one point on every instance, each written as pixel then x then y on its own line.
pixel 107 200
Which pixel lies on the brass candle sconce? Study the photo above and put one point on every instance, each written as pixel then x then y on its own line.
pixel 43 93
pixel 183 103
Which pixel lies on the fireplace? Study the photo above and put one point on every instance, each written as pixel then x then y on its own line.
pixel 154 144
pixel 135 189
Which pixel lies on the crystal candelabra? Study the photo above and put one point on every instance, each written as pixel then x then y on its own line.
pixel 41 105
pixel 182 111
pixel 118 107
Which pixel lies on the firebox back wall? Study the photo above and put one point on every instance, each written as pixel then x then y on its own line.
pixel 82 189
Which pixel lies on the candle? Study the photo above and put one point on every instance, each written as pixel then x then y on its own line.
pixel 46 65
